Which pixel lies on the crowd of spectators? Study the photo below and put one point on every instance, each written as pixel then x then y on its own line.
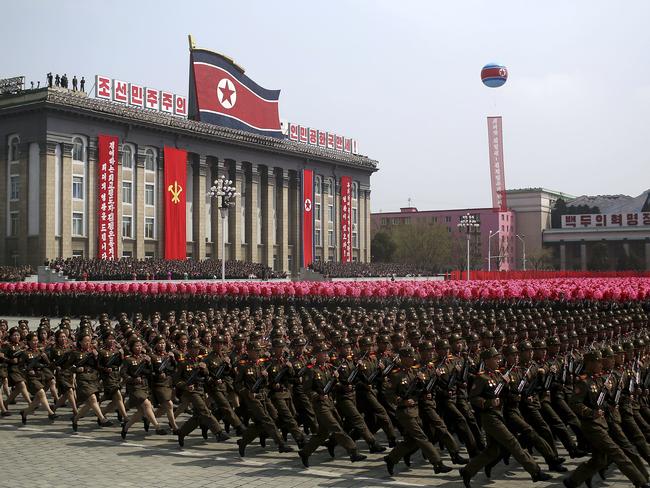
pixel 369 270
pixel 158 269
pixel 15 273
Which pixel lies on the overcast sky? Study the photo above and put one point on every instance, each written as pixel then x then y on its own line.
pixel 400 77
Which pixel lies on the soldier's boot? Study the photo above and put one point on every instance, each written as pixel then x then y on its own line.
pixel 285 434
pixel 242 447
pixel 304 458
pixel 556 467
pixel 488 467
pixel 204 432
pixel 330 444
pixel 407 460
pixel 568 483
pixel 390 465
pixel 540 476
pixel 603 474
pixel 588 482
pixel 355 457
pixel 146 425
pixel 441 468
pixel 181 439
pixel 226 427
pixel 222 436
pixel 263 440
pixel 376 448
pixel 285 448
pixel 456 458
pixel 467 479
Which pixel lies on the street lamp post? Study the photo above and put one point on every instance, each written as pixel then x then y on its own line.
pixel 492 234
pixel 523 243
pixel 469 222
pixel 224 189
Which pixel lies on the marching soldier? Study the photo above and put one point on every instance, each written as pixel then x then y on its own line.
pixel 485 396
pixel 319 381
pixel 587 402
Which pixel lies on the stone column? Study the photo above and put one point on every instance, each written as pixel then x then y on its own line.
pixel 647 255
pixel 295 207
pixel 47 218
pixel 562 256
pixel 138 202
pixel 583 256
pixel 23 215
pixel 4 196
pixel 66 200
pixel 198 204
pixel 234 215
pixel 91 207
pixel 281 178
pixel 159 233
pixel 367 235
pixel 217 234
pixel 268 184
pixel 253 183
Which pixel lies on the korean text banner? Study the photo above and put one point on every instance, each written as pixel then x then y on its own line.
pixel 174 196
pixel 307 217
pixel 346 219
pixel 107 194
pixel 224 95
pixel 495 140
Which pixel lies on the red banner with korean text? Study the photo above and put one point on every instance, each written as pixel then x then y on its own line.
pixel 346 219
pixel 175 210
pixel 495 141
pixel 307 217
pixel 107 194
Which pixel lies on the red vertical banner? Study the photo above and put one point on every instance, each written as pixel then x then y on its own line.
pixel 346 219
pixel 107 194
pixel 495 141
pixel 307 217
pixel 175 209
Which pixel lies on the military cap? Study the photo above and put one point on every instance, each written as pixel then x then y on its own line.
pixel 628 346
pixel 455 338
pixel 498 334
pixel 638 343
pixel 442 344
pixel 319 348
pixel 617 348
pixel 539 344
pixel 473 337
pixel 592 356
pixel 510 349
pixel 488 353
pixel 254 346
pixel 525 346
pixel 194 344
pixel 220 339
pixel 298 342
pixel 407 352
pixel 365 341
pixel 553 341
pixel 486 334
pixel 607 352
pixel 425 346
pixel 383 339
pixel 239 337
pixel 344 342
pixel 278 343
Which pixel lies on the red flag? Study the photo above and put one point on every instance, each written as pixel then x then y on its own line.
pixel 346 219
pixel 107 194
pixel 307 217
pixel 175 209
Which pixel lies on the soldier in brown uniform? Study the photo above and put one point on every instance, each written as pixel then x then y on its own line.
pixel 59 355
pixel 220 374
pixel 301 399
pixel 345 394
pixel 111 357
pixel 407 384
pixel 588 402
pixel 318 384
pixel 191 378
pixel 279 380
pixel 369 374
pixel 252 380
pixel 11 352
pixel 162 371
pixel 33 362
pixel 485 396
pixel 447 393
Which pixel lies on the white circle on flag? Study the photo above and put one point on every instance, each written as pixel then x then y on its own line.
pixel 307 205
pixel 226 93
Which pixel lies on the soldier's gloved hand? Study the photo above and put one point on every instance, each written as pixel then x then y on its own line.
pixel 138 381
pixel 410 402
pixel 496 402
pixel 203 366
pixel 162 376
pixel 190 388
pixel 598 413
pixel 80 370
pixel 265 373
pixel 336 374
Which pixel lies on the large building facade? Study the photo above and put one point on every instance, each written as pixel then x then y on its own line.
pixel 49 185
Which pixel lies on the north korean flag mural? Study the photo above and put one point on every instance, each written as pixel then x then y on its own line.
pixel 175 177
pixel 307 217
pixel 221 94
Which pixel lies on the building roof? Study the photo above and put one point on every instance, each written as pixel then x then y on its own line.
pixel 565 196
pixel 63 99
pixel 408 211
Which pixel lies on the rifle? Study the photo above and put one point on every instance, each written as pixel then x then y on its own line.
pixel 111 360
pixel 548 380
pixel 565 369
pixel 389 367
pixel 195 373
pixel 163 364
pixel 504 378
pixel 355 372
pixel 411 389
pixel 619 389
pixel 280 375
pixel 432 382
pixel 330 384
pixel 140 368
pixel 524 380
pixel 220 371
pixel 258 382
pixel 603 393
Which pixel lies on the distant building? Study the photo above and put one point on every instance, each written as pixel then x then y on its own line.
pixel 500 225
